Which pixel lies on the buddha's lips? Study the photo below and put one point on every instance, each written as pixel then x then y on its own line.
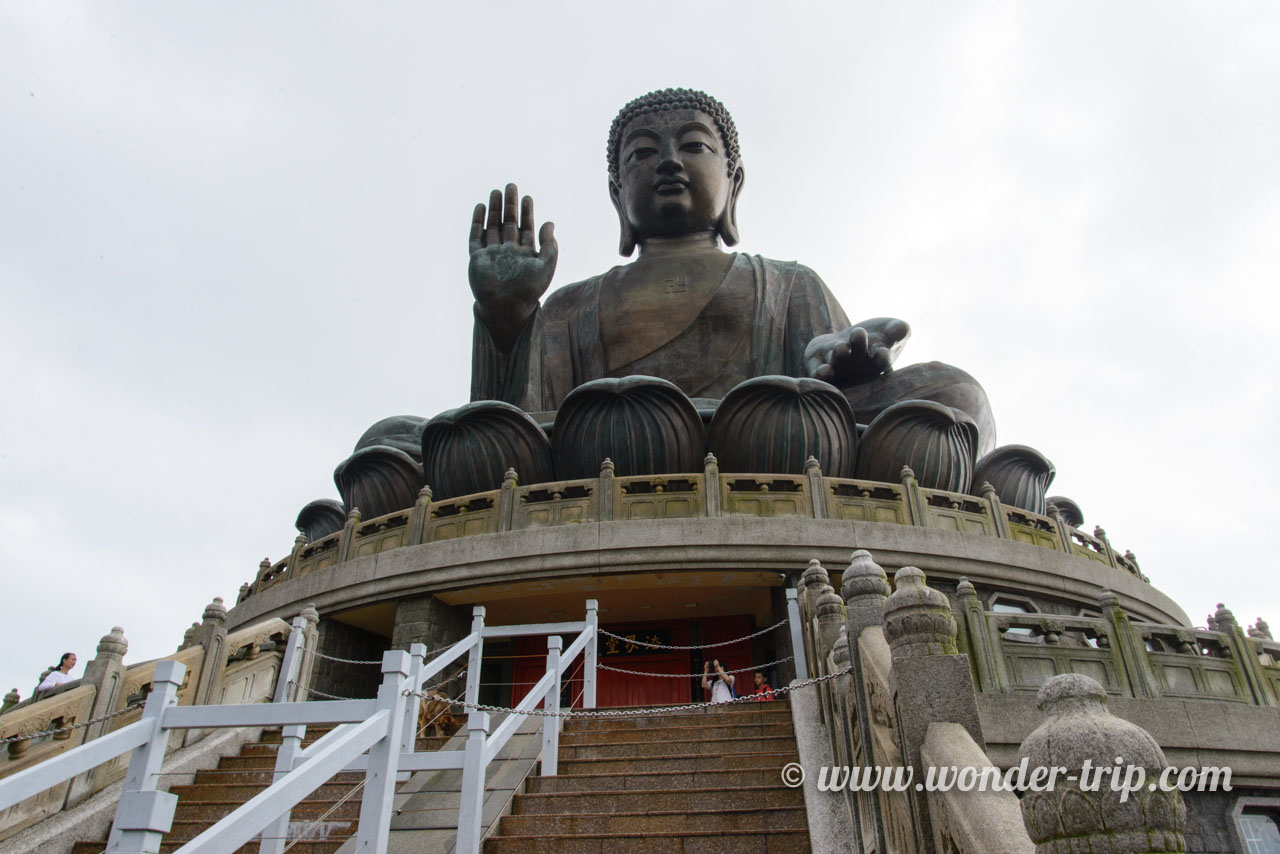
pixel 670 184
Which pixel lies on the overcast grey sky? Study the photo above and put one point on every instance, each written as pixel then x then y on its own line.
pixel 234 237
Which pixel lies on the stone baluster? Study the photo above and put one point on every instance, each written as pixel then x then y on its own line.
pixel 1243 652
pixel 310 643
pixel 346 539
pixel 984 641
pixel 189 637
pixel 1064 535
pixel 914 501
pixel 245 591
pixel 931 679
pixel 507 500
pixel 264 566
pixel 604 492
pixel 11 699
pixel 814 577
pixel 1261 630
pixel 106 674
pixel 212 635
pixel 1128 649
pixel 295 554
pixel 1101 536
pixel 419 517
pixel 830 619
pixel 865 587
pixel 998 519
pixel 1080 733
pixel 817 484
pixel 711 475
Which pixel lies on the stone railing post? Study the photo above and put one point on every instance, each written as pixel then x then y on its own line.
pixel 915 502
pixel 1101 536
pixel 1064 537
pixel 310 643
pixel 604 492
pixel 507 500
pixel 106 674
pixel 1242 651
pixel 992 498
pixel 212 635
pixel 1080 735
pixel 711 476
pixel 812 580
pixel 11 699
pixel 817 488
pixel 295 556
pixel 988 658
pixel 347 538
pixel 829 619
pixel 931 679
pixel 865 588
pixel 419 517
pixel 1128 648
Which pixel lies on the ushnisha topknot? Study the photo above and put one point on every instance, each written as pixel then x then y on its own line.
pixel 674 99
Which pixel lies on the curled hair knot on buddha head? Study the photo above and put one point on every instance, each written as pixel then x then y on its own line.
pixel 674 99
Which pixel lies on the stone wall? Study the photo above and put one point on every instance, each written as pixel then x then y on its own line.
pixel 340 640
pixel 427 620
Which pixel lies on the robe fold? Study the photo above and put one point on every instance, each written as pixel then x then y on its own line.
pixel 757 322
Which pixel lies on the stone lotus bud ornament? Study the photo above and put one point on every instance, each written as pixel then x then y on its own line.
pixel 917 618
pixel 937 442
pixel 1079 729
pixel 1020 474
pixel 320 518
pixel 469 449
pixel 381 479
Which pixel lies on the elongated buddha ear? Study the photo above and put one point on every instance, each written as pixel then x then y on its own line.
pixel 626 239
pixel 728 224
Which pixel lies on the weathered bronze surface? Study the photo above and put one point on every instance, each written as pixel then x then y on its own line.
pixel 469 449
pixel 644 425
pixel 937 442
pixel 773 424
pixel 685 310
pixel 1021 475
pixel 320 518
pixel 378 479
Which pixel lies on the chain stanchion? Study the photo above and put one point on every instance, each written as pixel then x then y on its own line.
pixel 695 646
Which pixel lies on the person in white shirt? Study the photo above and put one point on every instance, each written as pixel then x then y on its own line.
pixel 60 674
pixel 720 684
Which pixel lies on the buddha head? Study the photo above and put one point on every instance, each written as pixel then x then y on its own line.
pixel 674 168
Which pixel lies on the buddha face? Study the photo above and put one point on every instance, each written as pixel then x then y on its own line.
pixel 673 176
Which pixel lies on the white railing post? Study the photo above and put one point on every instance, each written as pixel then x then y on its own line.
pixel 471 801
pixel 291 663
pixel 384 757
pixel 475 656
pixel 144 815
pixel 551 705
pixel 409 736
pixel 589 656
pixel 273 836
pixel 797 638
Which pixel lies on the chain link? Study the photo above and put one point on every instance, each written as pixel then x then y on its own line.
pixel 690 675
pixel 311 690
pixel 318 654
pixel 16 738
pixel 640 713
pixel 696 646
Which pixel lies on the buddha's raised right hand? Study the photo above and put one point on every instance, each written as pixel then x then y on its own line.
pixel 508 274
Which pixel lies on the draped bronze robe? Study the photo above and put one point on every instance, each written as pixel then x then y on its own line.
pixel 758 322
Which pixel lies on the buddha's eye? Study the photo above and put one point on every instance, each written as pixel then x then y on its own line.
pixel 641 153
pixel 696 145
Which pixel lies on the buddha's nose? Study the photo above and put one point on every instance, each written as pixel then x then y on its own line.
pixel 670 163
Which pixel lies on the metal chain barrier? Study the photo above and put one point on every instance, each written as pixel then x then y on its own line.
pixel 318 654
pixel 328 696
pixel 695 646
pixel 59 730
pixel 640 713
pixel 689 675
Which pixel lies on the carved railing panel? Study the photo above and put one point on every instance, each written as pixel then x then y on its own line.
pixel 1087 546
pixel 316 556
pixel 463 517
pixel 764 495
pixel 952 511
pixel 381 534
pixel 1032 528
pixel 677 497
pixel 561 503
pixel 866 501
pixel 1038 646
pixel 1194 663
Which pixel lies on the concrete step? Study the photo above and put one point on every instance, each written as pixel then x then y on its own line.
pixel 655 822
pixel 677 747
pixel 677 732
pixel 679 762
pixel 301 846
pixel 216 792
pixel 211 811
pixel 722 842
pixel 711 716
pixel 647 780
pixel 662 800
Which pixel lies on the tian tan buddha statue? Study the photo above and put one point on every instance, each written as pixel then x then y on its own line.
pixel 685 349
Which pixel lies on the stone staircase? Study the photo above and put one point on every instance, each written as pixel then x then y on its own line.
pixel 215 793
pixel 706 782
